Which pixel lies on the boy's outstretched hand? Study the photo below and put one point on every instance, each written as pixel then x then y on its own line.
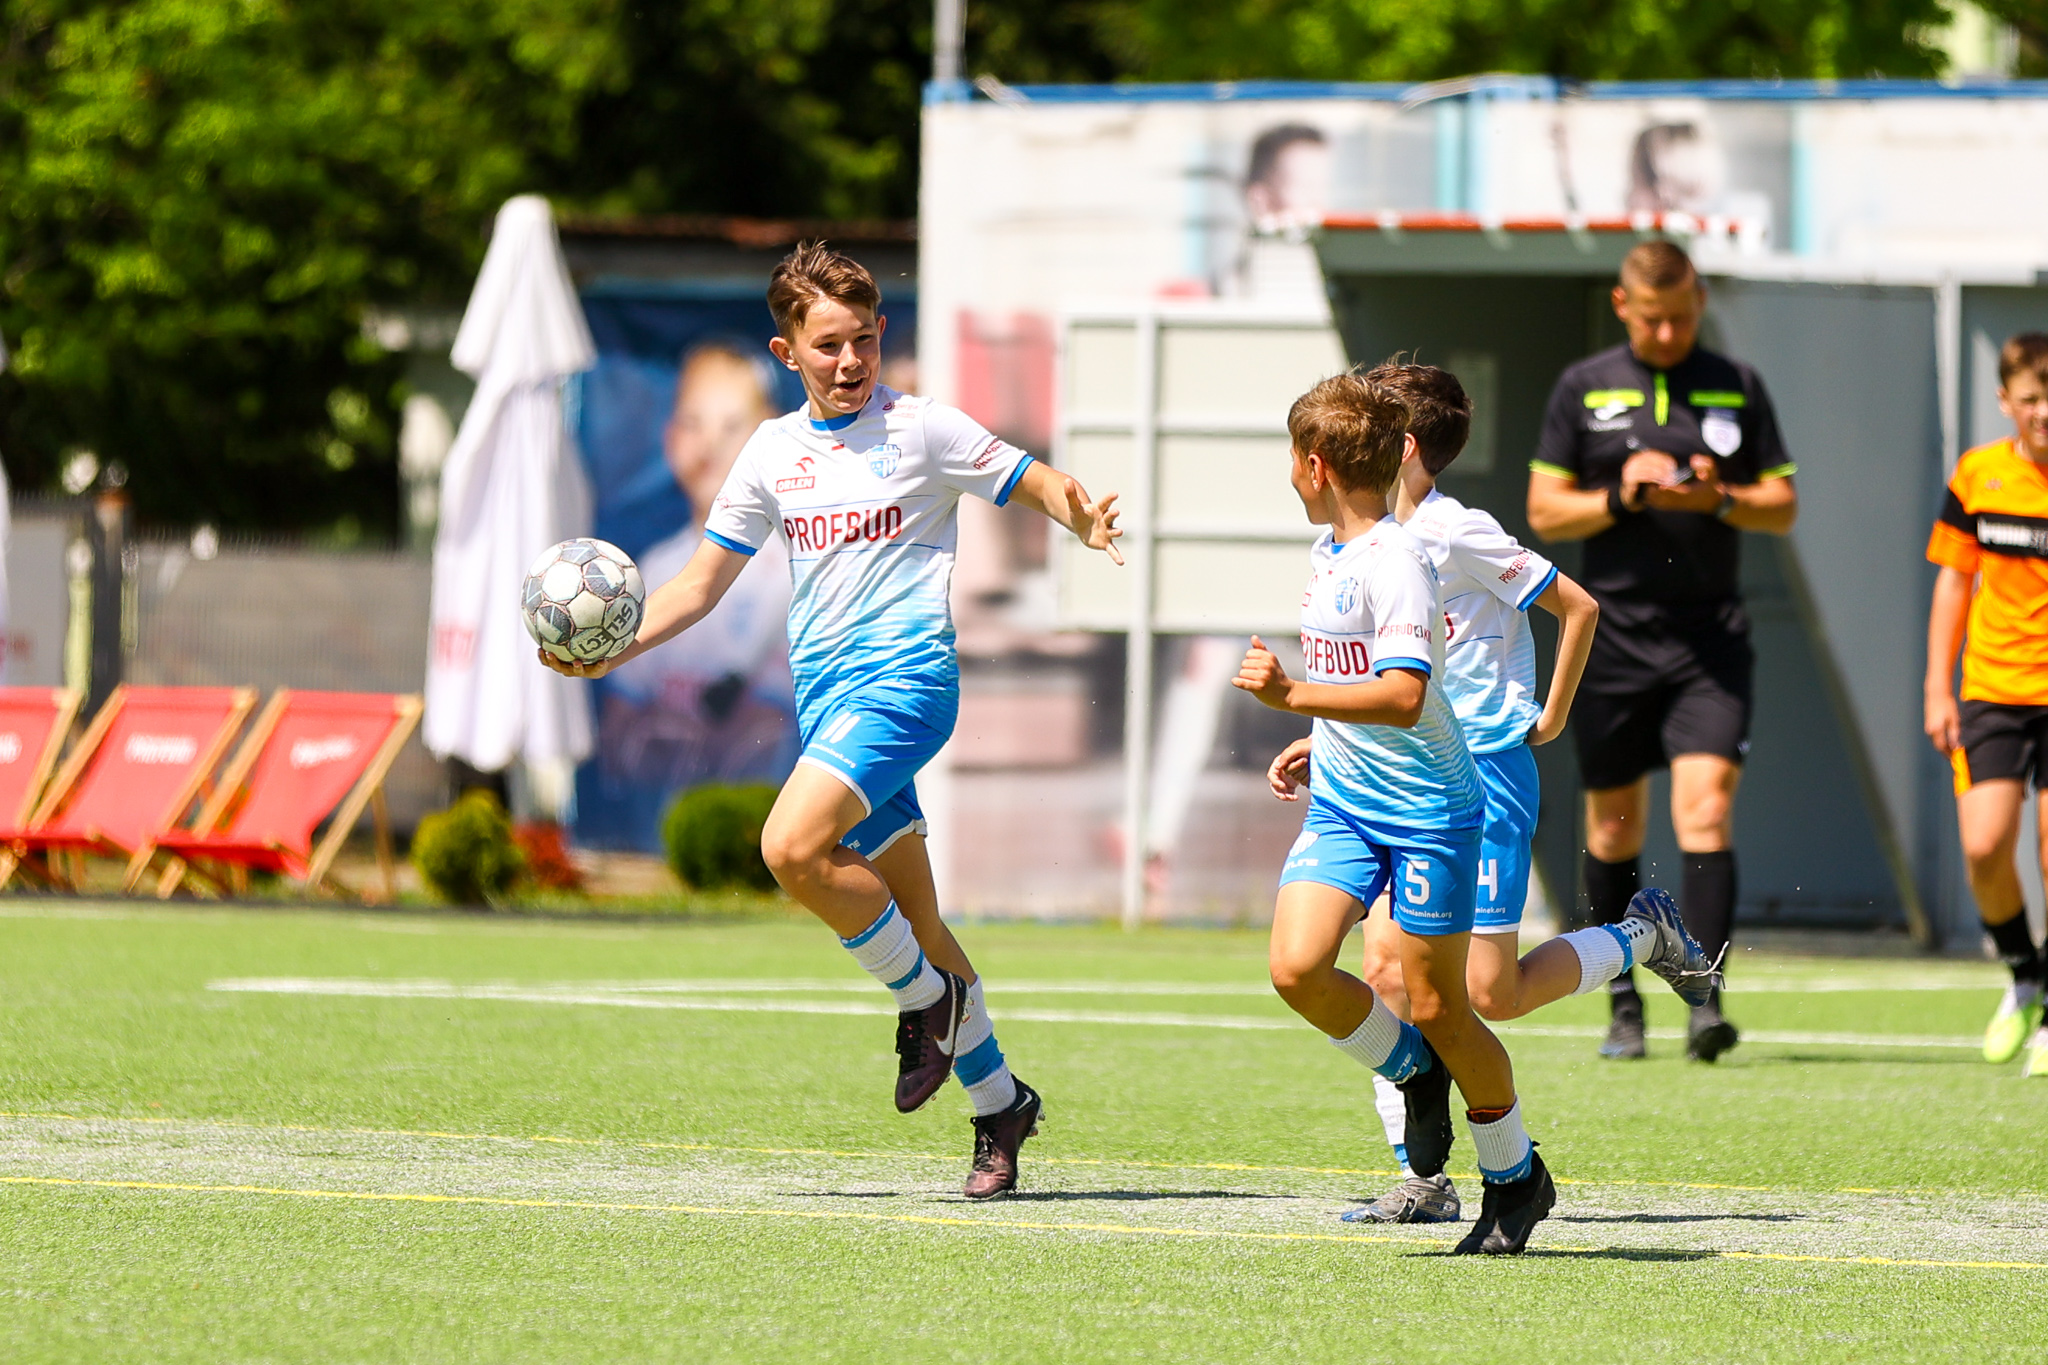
pixel 1289 772
pixel 1261 675
pixel 577 670
pixel 1094 522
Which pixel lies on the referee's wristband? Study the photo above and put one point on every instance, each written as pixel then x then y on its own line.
pixel 1616 508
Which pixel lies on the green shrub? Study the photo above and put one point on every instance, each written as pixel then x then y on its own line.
pixel 465 854
pixel 713 836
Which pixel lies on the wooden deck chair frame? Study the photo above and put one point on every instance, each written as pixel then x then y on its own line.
pixel 242 703
pixel 368 790
pixel 68 700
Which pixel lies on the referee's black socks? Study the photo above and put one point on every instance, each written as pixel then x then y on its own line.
pixel 1609 889
pixel 1707 900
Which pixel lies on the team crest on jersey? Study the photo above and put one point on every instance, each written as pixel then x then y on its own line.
pixel 1345 595
pixel 883 459
pixel 1721 432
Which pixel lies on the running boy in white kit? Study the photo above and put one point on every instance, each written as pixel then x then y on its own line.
pixel 1397 805
pixel 863 486
pixel 1488 582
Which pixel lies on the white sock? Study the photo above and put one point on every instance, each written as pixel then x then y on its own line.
pixel 1393 1107
pixel 1604 953
pixel 978 1061
pixel 1503 1147
pixel 889 953
pixel 1386 1044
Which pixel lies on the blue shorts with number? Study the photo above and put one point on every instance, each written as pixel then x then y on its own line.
pixel 876 743
pixel 1428 874
pixel 1513 794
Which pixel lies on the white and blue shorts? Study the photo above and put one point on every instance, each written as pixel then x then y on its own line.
pixel 1429 874
pixel 876 744
pixel 1513 793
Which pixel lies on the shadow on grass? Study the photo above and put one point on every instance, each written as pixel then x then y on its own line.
pixel 1129 1196
pixel 1652 1254
pixel 1865 1056
pixel 1681 1218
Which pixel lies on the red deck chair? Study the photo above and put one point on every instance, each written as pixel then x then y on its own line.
pixel 308 753
pixel 134 773
pixel 34 723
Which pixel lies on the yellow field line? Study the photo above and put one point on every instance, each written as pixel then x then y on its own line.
pixel 859 1155
pixel 936 1220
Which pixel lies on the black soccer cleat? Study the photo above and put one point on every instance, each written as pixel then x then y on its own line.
pixel 1625 1031
pixel 1429 1132
pixel 1707 1034
pixel 996 1140
pixel 924 1044
pixel 1510 1212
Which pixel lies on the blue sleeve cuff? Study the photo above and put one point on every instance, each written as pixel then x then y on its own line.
pixel 728 543
pixel 1419 665
pixel 1529 599
pixel 1003 493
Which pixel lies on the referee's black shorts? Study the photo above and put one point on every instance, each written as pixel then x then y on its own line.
pixel 1660 684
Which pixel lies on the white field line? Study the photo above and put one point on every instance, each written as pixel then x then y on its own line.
pixel 582 994
pixel 1254 990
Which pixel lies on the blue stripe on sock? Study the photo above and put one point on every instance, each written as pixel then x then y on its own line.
pixel 1628 949
pixel 1401 1155
pixel 904 980
pixel 1409 1056
pixel 864 935
pixel 979 1064
pixel 1521 1169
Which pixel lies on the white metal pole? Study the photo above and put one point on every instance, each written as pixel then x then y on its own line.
pixel 1138 653
pixel 1948 368
pixel 949 36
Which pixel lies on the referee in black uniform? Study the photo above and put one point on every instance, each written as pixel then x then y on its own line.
pixel 1657 454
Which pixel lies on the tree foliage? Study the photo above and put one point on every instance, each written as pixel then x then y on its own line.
pixel 199 199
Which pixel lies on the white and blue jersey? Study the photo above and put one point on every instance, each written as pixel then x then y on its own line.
pixel 1371 606
pixel 867 508
pixel 1488 581
pixel 1389 808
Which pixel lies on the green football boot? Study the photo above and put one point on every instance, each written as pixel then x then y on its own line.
pixel 2037 1055
pixel 2019 1015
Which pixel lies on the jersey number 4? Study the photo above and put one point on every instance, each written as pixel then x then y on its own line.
pixel 1489 877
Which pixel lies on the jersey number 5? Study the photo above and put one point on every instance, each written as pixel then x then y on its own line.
pixel 1418 885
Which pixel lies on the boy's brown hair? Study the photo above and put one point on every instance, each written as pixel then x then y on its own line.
pixel 1356 425
pixel 2026 353
pixel 1439 413
pixel 1656 264
pixel 812 273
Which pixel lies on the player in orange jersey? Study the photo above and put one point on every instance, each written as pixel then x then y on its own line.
pixel 1991 542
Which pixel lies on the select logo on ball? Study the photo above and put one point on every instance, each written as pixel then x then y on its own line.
pixel 583 600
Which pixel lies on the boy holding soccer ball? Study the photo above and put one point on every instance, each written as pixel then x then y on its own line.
pixel 862 485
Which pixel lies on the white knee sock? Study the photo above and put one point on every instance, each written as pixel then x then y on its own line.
pixel 1386 1043
pixel 1393 1107
pixel 1607 950
pixel 1503 1147
pixel 978 1061
pixel 889 952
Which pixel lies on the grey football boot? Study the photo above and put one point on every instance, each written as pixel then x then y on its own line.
pixel 1418 1199
pixel 1674 956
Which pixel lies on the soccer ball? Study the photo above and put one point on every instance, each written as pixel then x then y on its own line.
pixel 583 601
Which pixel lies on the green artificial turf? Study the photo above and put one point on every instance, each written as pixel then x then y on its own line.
pixel 530 1140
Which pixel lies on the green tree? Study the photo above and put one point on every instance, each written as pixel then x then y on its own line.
pixel 199 198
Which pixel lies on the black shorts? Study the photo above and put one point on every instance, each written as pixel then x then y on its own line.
pixel 2001 741
pixel 1659 685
